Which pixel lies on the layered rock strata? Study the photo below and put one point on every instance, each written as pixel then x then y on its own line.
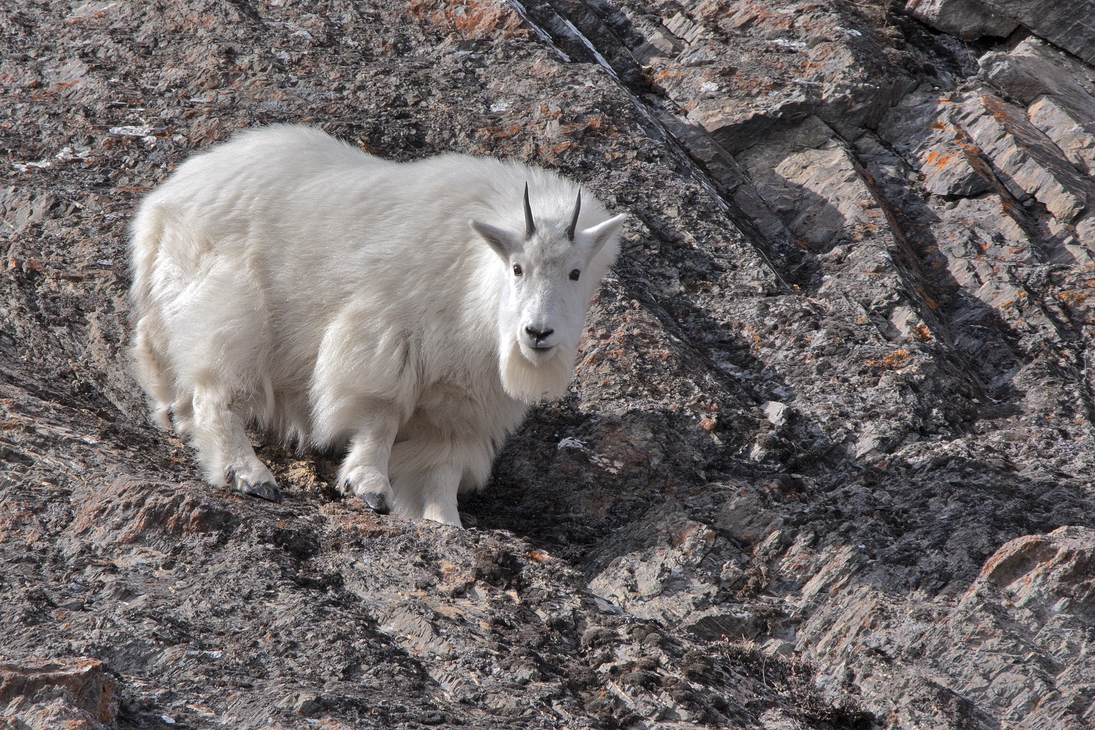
pixel 827 458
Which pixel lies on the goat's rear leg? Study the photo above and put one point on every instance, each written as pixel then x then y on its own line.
pixel 225 451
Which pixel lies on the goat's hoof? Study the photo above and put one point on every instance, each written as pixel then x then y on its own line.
pixel 263 490
pixel 376 502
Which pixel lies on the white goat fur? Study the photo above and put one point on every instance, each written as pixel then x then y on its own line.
pixel 338 300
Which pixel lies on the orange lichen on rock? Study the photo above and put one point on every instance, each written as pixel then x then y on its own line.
pixel 892 361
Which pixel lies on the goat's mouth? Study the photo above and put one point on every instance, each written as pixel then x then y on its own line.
pixel 538 352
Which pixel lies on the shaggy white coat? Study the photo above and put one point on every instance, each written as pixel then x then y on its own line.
pixel 292 281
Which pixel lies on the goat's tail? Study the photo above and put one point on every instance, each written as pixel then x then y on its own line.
pixel 148 345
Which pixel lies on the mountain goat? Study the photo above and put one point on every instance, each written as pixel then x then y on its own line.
pixel 408 312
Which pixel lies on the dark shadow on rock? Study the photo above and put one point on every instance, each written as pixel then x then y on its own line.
pixel 819 485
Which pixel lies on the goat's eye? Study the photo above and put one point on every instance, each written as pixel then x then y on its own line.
pixel 575 274
pixel 517 270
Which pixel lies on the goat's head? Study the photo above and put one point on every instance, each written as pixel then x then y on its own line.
pixel 551 277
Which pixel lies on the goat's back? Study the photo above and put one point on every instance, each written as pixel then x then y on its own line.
pixel 296 195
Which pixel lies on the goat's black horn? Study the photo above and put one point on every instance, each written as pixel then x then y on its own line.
pixel 574 221
pixel 530 225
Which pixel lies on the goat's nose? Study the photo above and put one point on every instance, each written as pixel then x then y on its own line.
pixel 538 335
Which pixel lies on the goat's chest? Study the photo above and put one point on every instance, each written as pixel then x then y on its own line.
pixel 456 411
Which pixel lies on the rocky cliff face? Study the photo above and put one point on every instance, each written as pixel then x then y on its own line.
pixel 827 459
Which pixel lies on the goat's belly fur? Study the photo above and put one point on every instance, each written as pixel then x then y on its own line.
pixel 334 300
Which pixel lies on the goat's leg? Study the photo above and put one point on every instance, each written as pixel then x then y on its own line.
pixel 439 491
pixel 225 451
pixel 364 471
pixel 425 490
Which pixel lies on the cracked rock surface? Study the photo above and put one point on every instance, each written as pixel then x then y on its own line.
pixel 827 459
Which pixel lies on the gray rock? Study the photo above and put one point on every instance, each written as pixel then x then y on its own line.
pixel 1028 163
pixel 922 129
pixel 964 18
pixel 807 179
pixel 1072 132
pixel 1064 24
pixel 1034 584
pixel 1033 68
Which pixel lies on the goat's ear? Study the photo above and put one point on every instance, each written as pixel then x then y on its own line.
pixel 502 241
pixel 599 234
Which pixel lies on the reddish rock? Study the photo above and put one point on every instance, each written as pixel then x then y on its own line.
pixel 78 694
pixel 130 509
pixel 1044 575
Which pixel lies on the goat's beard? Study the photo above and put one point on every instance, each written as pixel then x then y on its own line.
pixel 531 383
